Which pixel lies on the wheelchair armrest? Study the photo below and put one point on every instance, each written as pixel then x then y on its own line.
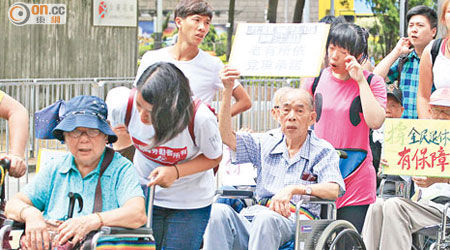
pixel 235 193
pixel 331 212
pixel 317 200
pixel 394 186
pixel 121 230
pixel 15 225
pixel 392 177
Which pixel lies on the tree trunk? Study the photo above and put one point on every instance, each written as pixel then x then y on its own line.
pixel 231 27
pixel 298 11
pixel 272 11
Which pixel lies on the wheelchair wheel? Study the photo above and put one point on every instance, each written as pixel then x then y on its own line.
pixel 340 234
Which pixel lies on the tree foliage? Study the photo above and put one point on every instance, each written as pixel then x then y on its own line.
pixel 388 16
pixel 214 42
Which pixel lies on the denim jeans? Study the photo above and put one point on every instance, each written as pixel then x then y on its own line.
pixel 236 204
pixel 179 228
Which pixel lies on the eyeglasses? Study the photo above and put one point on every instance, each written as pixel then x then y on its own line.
pixel 439 110
pixel 91 133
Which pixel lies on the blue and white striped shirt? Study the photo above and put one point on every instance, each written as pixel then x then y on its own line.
pixel 276 170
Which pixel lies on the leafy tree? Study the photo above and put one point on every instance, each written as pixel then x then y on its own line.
pixel 214 42
pixel 388 15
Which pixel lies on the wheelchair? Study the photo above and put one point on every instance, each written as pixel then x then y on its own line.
pixel 440 234
pixel 434 237
pixel 322 234
pixel 143 233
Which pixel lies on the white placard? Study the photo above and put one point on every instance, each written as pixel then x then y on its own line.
pixel 115 13
pixel 288 49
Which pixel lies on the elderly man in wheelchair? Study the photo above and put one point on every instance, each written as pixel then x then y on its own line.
pixel 391 223
pixel 89 167
pixel 289 164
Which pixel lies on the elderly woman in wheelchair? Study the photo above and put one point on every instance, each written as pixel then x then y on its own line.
pixel 84 171
pixel 290 164
pixel 390 223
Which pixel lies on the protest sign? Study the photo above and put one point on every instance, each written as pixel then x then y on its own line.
pixel 417 147
pixel 45 155
pixel 288 49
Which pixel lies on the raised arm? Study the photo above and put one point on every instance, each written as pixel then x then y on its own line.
pixel 402 47
pixel 425 85
pixel 18 121
pixel 228 76
pixel 373 113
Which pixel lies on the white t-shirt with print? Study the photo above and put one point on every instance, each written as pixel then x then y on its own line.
pixel 202 71
pixel 189 192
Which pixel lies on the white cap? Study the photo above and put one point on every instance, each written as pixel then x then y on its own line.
pixel 440 97
pixel 116 100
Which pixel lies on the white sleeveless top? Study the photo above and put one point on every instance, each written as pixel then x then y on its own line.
pixel 441 66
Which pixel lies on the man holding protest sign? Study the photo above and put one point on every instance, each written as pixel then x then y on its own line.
pixel 390 224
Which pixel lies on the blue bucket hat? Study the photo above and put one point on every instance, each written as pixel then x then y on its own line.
pixel 84 111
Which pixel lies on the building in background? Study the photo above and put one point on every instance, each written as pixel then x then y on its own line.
pixel 250 11
pixel 351 9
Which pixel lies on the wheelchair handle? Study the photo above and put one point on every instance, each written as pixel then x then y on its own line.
pixel 5 163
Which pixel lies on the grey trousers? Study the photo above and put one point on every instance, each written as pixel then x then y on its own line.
pixel 229 230
pixel 390 223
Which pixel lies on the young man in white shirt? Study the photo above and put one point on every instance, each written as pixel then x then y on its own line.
pixel 193 19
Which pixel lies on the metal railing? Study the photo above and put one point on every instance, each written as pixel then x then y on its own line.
pixel 36 94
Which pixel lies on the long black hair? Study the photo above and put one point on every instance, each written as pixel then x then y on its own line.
pixel 165 87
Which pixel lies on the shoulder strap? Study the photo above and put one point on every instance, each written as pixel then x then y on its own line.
pixel 107 159
pixel 196 105
pixel 129 106
pixel 316 82
pixel 435 49
pixel 369 78
pixel 401 62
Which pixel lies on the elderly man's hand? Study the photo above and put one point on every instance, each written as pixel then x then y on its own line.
pixel 424 182
pixel 163 176
pixel 75 229
pixel 36 233
pixel 281 202
pixel 228 74
pixel 18 167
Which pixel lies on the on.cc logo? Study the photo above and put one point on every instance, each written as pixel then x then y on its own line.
pixel 19 14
